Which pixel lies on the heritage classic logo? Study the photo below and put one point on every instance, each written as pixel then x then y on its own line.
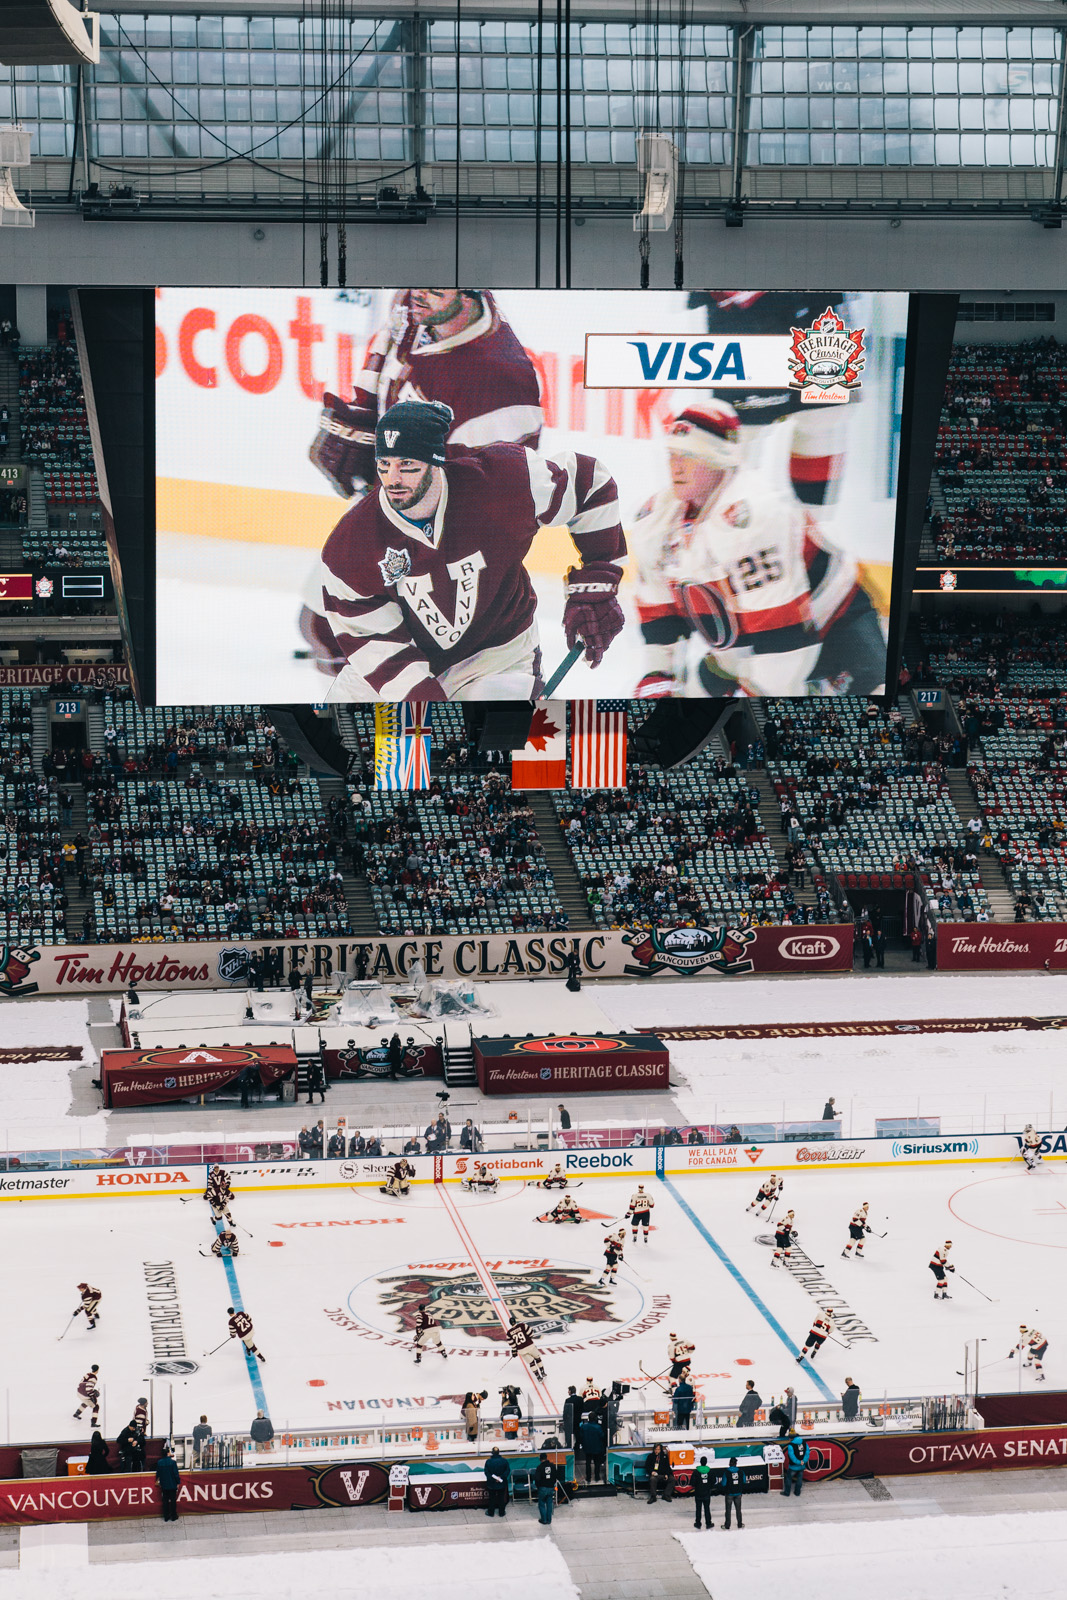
pixel 690 950
pixel 809 947
pixel 550 1299
pixel 826 360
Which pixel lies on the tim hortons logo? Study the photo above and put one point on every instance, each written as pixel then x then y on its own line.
pixel 549 1299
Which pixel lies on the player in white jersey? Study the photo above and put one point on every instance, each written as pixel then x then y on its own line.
pixel 939 1266
pixel 821 1329
pixel 1031 1147
pixel 749 570
pixel 785 1237
pixel 1033 1344
pixel 679 1354
pixel 639 1211
pixel 557 1178
pixel 858 1229
pixel 769 1190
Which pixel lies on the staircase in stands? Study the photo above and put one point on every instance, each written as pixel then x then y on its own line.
pixel 990 873
pixel 572 896
pixel 361 917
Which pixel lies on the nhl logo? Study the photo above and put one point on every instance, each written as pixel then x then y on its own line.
pixel 395 565
pixel 232 965
pixel 172 1369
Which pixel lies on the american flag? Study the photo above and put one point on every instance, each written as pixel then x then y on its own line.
pixel 598 744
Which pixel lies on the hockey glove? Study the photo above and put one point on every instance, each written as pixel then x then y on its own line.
pixel 655 686
pixel 592 611
pixel 343 448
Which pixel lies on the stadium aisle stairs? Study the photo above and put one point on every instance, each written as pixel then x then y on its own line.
pixel 357 895
pixel 990 872
pixel 9 397
pixel 560 862
pixel 770 816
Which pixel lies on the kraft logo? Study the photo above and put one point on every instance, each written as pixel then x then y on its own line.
pixel 600 1162
pixel 936 1147
pixel 138 1180
pixel 806 947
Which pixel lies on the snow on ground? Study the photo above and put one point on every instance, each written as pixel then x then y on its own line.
pixel 35 1096
pixel 925 1558
pixel 474 1571
pixel 975 1081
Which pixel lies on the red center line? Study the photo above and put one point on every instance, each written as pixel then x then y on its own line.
pixel 496 1300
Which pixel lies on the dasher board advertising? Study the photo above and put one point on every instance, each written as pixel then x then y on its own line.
pixel 431 494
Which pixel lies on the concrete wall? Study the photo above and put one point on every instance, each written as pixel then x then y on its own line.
pixel 784 253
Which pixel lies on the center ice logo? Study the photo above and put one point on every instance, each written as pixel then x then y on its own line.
pixel 689 950
pixel 550 1299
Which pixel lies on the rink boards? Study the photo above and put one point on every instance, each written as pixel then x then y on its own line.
pixel 670 1161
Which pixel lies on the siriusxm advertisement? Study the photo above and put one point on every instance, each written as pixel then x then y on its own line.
pixel 439 494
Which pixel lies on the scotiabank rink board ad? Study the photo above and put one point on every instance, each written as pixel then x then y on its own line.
pixel 438 493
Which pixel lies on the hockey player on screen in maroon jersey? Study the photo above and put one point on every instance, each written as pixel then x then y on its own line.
pixel 723 556
pixel 424 584
pixel 437 344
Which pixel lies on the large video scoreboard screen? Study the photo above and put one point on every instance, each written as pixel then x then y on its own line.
pixel 437 494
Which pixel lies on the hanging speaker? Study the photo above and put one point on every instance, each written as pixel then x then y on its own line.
pixel 678 730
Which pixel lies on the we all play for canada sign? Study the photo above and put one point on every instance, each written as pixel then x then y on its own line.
pixel 542 762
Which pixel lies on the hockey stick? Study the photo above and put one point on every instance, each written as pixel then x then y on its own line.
pixel 976 1289
pixel 216 1350
pixel 656 1377
pixel 561 671
pixel 613 1222
pixel 209 1252
pixel 66 1330
pixel 243 1229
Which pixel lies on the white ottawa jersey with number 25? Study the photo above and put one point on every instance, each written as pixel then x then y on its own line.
pixel 754 573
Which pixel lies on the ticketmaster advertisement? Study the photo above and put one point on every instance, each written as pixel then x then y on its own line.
pixel 427 494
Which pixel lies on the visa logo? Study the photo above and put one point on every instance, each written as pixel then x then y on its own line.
pixel 689 360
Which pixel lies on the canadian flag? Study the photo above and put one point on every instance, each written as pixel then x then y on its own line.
pixel 542 762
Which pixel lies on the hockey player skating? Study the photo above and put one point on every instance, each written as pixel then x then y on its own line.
pixel 424 585
pixel 225 1244
pixel 89 1391
pixel 427 1334
pixel 1031 1147
pixel 557 1178
pixel 522 1345
pixel 821 1329
pixel 90 1304
pixel 218 1186
pixel 611 1260
pixel 399 1179
pixel 1033 1345
pixel 639 1212
pixel 724 557
pixel 858 1229
pixel 785 1237
pixel 769 1191
pixel 241 1328
pixel 437 344
pixel 140 1413
pixel 939 1266
pixel 679 1354
pixel 565 1210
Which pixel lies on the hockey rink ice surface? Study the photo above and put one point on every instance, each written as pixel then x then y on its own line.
pixel 331 1278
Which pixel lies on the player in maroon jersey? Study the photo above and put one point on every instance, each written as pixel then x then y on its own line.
pixel 522 1345
pixel 424 584
pixel 438 344
pixel 89 1395
pixel 241 1328
pixel 90 1304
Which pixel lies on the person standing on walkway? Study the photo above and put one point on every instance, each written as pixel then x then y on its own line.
pixel 733 1494
pixel 169 1479
pixel 796 1459
pixel 498 1478
pixel 850 1400
pixel 701 1481
pixel 572 1415
pixel 545 1478
pixel 594 1442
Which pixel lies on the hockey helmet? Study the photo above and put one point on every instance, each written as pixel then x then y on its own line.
pixel 707 428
